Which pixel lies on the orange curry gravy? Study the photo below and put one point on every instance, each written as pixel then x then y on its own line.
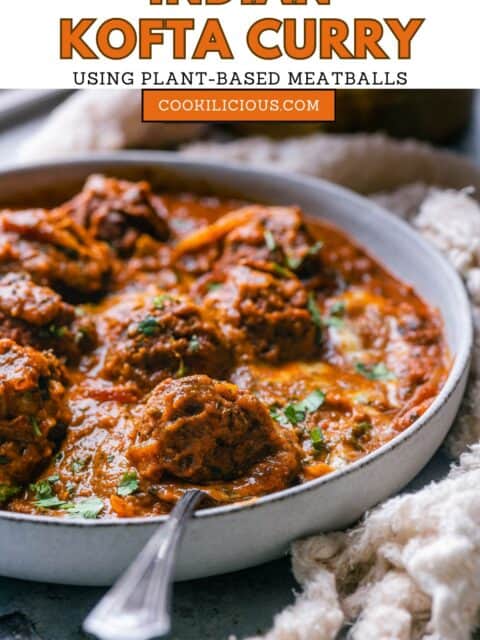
pixel 153 342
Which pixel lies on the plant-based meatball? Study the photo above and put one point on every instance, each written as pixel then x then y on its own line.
pixel 34 315
pixel 157 336
pixel 203 430
pixel 119 212
pixel 260 234
pixel 264 315
pixel 54 250
pixel 33 414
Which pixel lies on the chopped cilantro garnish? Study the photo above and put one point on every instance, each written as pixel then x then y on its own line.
pixel 214 286
pixel 270 240
pixel 57 332
pixel 293 414
pixel 58 457
pixel 149 326
pixel 314 249
pixel 128 484
pixel 312 402
pixel 182 369
pixel 193 344
pixel 361 429
pixel 315 315
pixel 338 308
pixel 52 502
pixel 333 321
pixel 159 301
pixel 88 508
pixel 71 488
pixel 317 438
pixel 42 489
pixel 7 491
pixel 110 458
pixel 361 398
pixel 296 412
pixel 35 426
pixel 376 372
pixel 78 465
pixel 335 316
pixel 293 262
pixel 281 271
pixel 277 415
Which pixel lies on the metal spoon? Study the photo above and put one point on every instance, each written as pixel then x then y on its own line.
pixel 137 607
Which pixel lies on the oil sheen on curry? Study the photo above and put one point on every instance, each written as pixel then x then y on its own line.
pixel 154 342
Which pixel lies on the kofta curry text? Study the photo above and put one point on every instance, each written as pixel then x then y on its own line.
pixel 153 342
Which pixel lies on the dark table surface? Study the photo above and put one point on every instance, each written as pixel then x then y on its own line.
pixel 241 604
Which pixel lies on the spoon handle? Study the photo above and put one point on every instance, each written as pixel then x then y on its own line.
pixel 137 607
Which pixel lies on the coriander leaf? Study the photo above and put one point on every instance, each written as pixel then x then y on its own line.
pixel 270 240
pixel 54 478
pixel 376 372
pixel 296 412
pixel 71 488
pixel 281 271
pixel 332 321
pixel 293 262
pixel 312 402
pixel 148 327
pixel 338 308
pixel 278 415
pixel 182 369
pixel 50 503
pixel 128 484
pixel 315 248
pixel 42 490
pixel 35 426
pixel 361 398
pixel 213 286
pixel 78 465
pixel 194 344
pixel 110 458
pixel 315 315
pixel 317 438
pixel 361 429
pixel 57 332
pixel 335 316
pixel 7 491
pixel 293 414
pixel 88 508
pixel 159 301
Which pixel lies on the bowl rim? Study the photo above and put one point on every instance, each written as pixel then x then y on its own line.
pixel 169 160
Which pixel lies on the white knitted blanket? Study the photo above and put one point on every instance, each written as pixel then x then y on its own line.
pixel 411 569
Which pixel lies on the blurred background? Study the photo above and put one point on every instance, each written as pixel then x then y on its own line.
pixel 51 123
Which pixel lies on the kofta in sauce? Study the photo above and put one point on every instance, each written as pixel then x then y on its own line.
pixel 151 342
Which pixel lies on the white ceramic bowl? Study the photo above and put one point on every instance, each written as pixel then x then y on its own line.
pixel 234 537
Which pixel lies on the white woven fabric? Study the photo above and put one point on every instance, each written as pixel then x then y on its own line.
pixel 102 120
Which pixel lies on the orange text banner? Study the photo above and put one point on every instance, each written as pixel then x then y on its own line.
pixel 238 105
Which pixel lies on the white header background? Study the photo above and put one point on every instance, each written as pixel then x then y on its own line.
pixel 445 51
